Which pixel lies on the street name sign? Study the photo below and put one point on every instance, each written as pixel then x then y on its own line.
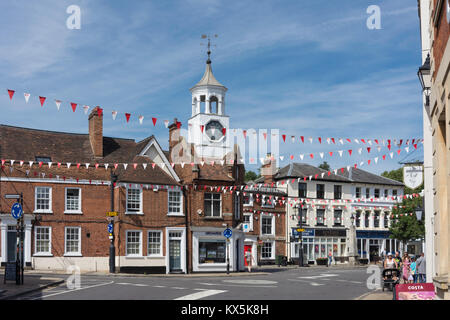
pixel 111 214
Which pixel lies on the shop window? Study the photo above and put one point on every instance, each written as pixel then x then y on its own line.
pixel 211 251
pixel 267 250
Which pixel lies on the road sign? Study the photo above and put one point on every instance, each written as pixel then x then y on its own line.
pixel 300 230
pixel 111 214
pixel 110 228
pixel 16 210
pixel 246 227
pixel 228 233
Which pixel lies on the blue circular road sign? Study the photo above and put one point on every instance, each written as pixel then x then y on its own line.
pixel 16 210
pixel 110 228
pixel 228 233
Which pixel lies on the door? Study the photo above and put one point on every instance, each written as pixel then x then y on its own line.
pixel 174 255
pixel 12 244
pixel 248 255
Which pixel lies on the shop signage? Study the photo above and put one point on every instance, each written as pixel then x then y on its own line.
pixel 111 214
pixel 305 233
pixel 412 176
pixel 330 233
pixel 414 291
pixel 209 233
pixel 360 234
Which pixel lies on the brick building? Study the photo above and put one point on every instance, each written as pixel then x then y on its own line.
pixel 66 182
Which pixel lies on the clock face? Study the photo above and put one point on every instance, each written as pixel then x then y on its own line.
pixel 214 130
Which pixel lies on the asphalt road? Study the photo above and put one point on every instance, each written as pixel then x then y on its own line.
pixel 280 284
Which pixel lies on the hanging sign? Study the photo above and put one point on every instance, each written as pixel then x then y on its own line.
pixel 413 176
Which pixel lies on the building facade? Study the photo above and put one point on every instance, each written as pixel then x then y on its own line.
pixel 439 32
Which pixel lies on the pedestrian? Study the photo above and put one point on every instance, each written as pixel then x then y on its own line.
pixel 390 262
pixel 421 268
pixel 405 268
pixel 330 258
pixel 398 259
pixel 413 270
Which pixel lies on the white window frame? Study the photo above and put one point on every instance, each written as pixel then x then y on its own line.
pixel 43 253
pixel 169 213
pixel 272 201
pixel 36 210
pixel 160 254
pixel 250 200
pixel 140 244
pixel 141 212
pixel 272 256
pixel 272 229
pixel 212 206
pixel 72 254
pixel 79 211
pixel 249 214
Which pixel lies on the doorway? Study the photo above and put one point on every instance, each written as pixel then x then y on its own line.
pixel 175 251
pixel 11 244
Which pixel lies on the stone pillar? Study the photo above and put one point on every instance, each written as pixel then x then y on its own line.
pixel 207 106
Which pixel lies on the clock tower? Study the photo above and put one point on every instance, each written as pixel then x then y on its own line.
pixel 208 125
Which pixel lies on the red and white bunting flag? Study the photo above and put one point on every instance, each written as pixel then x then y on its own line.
pixel 78 165
pixel 87 165
pixel 320 139
pixel 292 157
pixel 58 104
pixel 202 127
pixel 135 166
pixel 363 141
pixel 74 106
pixel 96 166
pixel 332 140
pixel 224 131
pixel 68 164
pixel 106 166
pixel 153 165
pixel 328 140
pixel 415 146
pixel 141 119
pixel 368 149
pixel 265 135
pixel 359 150
pixel 310 139
pixel 166 123
pixel 154 121
pixel 301 156
pixel 21 162
pixel 42 100
pixel 284 137
pixel 312 156
pixel 391 154
pixel 115 166
pixel 178 123
pixel 349 141
pixel 281 158
pixel 100 111
pixel 407 149
pixel 376 160
pixel 356 140
pixel 125 165
pixel 384 157
pixel 340 152
pixel 86 109
pixel 321 154
pixel 350 152
pixel 330 153
pixel 127 116
pixel 244 132
pixel 144 165
pixel 10 93
pixel 399 150
pixel 27 97
pixel 114 114
pixel 302 138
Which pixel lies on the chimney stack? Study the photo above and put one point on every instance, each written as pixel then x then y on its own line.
pixel 269 168
pixel 96 133
pixel 174 134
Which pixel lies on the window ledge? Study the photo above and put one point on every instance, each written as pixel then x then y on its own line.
pixel 213 218
pixel 42 212
pixel 73 212
pixel 42 255
pixel 150 256
pixel 175 214
pixel 73 255
pixel 138 213
pixel 134 257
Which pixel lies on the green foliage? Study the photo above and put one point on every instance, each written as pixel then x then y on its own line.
pixel 397 175
pixel 251 176
pixel 406 227
pixel 325 166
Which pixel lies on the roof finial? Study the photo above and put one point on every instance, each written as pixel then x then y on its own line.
pixel 204 36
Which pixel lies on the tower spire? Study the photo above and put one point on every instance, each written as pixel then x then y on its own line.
pixel 204 36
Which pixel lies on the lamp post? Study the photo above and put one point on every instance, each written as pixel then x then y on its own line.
pixel 300 227
pixel 424 77
pixel 419 212
pixel 352 242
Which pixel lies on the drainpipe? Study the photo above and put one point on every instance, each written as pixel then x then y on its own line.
pixel 186 214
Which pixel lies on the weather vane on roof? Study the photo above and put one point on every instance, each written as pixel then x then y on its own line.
pixel 204 36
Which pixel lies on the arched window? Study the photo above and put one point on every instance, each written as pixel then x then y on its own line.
pixel 214 102
pixel 367 219
pixel 203 103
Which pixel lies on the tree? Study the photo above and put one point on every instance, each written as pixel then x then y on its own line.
pixel 325 166
pixel 251 176
pixel 405 226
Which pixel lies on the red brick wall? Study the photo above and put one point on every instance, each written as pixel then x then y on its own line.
pixel 441 35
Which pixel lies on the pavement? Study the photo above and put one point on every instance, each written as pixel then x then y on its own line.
pixel 31 283
pixel 377 295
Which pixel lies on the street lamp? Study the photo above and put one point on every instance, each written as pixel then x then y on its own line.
pixel 424 77
pixel 300 227
pixel 419 212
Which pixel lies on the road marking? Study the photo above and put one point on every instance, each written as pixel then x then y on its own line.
pixel 310 282
pixel 200 295
pixel 250 281
pixel 236 285
pixel 73 290
pixel 159 286
pixel 322 275
pixel 179 288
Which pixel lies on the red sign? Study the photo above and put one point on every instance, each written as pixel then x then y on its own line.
pixel 414 291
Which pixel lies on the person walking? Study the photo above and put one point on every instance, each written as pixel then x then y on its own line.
pixel 421 268
pixel 405 268
pixel 330 258
pixel 413 270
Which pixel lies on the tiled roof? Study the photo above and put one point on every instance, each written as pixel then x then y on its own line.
pixel 301 170
pixel 25 144
pixel 361 176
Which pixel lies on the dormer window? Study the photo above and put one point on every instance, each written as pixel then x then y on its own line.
pixel 43 159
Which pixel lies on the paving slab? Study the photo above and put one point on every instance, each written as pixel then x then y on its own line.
pixel 31 283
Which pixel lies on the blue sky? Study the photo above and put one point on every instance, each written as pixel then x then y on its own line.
pixel 308 68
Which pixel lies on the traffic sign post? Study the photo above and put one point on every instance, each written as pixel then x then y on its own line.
pixel 17 213
pixel 227 234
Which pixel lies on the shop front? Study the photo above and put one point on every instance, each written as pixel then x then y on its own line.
pixel 317 243
pixel 374 244
pixel 211 250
